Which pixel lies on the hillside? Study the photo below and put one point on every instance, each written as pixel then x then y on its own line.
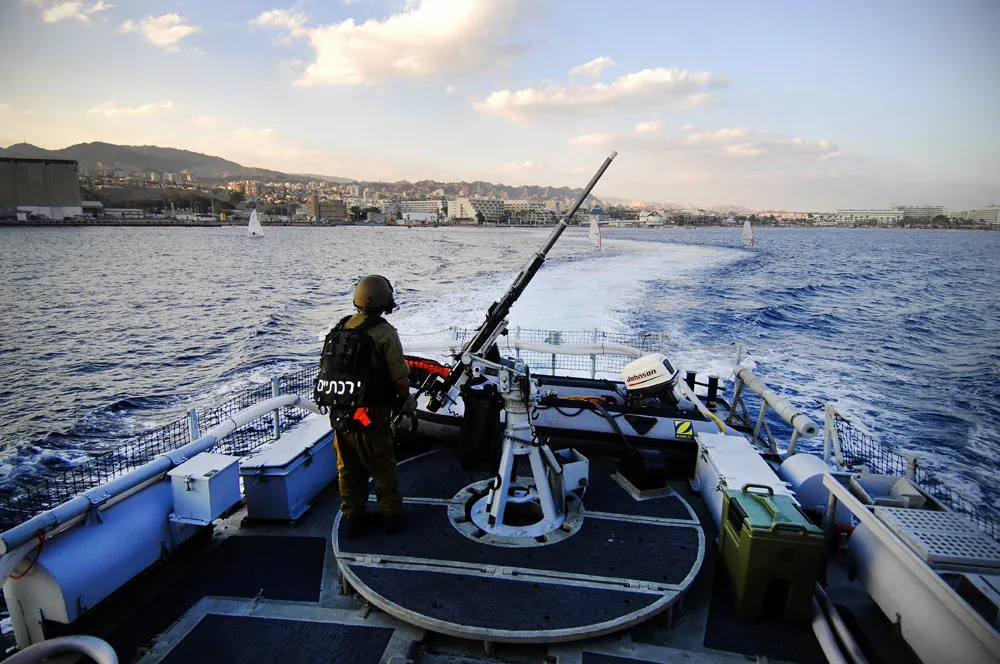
pixel 140 158
pixel 97 157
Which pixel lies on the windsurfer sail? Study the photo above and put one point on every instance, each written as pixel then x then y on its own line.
pixel 254 229
pixel 747 234
pixel 595 233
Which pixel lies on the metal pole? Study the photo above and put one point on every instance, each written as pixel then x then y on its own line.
pixel 760 420
pixel 791 444
pixel 593 359
pixel 276 392
pixel 193 423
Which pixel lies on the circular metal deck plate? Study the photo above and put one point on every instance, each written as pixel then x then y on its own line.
pixel 624 562
pixel 468 515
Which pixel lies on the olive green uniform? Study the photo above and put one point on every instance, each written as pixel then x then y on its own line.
pixel 367 450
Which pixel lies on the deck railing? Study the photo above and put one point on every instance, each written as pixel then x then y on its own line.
pixel 142 449
pixel 855 448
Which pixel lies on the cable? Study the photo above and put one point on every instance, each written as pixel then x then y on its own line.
pixel 38 552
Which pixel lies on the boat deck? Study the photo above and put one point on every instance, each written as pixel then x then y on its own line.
pixel 272 591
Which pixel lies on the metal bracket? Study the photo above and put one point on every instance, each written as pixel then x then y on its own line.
pixel 93 512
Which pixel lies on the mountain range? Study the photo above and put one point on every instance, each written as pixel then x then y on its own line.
pixel 100 157
pixel 95 157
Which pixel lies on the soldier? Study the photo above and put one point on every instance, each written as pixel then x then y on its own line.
pixel 364 430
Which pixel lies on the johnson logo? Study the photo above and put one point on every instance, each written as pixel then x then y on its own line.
pixel 640 376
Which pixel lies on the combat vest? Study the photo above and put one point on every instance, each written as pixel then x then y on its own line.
pixel 351 372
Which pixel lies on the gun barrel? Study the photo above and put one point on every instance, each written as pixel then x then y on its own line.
pixel 497 313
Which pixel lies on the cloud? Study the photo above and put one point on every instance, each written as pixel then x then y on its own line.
pixel 81 11
pixel 651 126
pixel 5 110
pixel 110 110
pixel 426 37
pixel 715 147
pixel 593 68
pixel 208 121
pixel 255 134
pixel 589 140
pixel 699 100
pixel 649 88
pixel 166 31
pixel 522 166
pixel 450 89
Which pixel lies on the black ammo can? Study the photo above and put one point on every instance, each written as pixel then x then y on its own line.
pixel 480 441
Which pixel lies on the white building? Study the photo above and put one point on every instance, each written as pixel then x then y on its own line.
pixel 652 219
pixel 988 215
pixel 427 207
pixel 491 209
pixel 532 213
pixel 880 217
pixel 921 212
pixel 421 217
pixel 468 209
pixel 390 208
pixel 461 209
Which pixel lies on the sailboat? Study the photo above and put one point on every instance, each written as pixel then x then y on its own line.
pixel 595 233
pixel 747 234
pixel 254 229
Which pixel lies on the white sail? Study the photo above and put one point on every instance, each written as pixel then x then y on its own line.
pixel 595 233
pixel 747 234
pixel 254 229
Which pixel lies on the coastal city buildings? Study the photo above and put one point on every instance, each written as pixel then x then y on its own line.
pixel 880 217
pixel 46 190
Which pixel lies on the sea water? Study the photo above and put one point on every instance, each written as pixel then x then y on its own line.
pixel 106 332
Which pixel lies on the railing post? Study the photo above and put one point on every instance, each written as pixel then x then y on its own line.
pixel 760 421
pixel 593 358
pixel 276 391
pixel 193 424
pixel 838 454
pixel 791 444
pixel 827 426
pixel 517 337
pixel 737 393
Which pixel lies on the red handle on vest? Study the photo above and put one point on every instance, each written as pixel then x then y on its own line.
pixel 361 415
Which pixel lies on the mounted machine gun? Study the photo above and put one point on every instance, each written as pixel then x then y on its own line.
pixel 548 491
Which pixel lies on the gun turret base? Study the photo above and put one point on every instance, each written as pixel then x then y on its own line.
pixel 625 561
pixel 524 525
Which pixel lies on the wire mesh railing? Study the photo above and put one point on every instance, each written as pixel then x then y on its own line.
pixel 142 449
pixel 859 449
pixel 607 363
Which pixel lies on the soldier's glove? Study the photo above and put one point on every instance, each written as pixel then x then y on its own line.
pixel 408 406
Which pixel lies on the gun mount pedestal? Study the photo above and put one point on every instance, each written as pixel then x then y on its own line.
pixel 519 508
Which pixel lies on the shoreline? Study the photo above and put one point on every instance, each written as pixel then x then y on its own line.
pixel 163 223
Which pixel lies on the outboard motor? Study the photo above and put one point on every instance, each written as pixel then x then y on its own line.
pixel 651 380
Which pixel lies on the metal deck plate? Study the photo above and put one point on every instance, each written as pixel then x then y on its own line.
pixel 617 569
pixel 942 537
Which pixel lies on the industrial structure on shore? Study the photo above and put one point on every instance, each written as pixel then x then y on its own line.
pixel 45 189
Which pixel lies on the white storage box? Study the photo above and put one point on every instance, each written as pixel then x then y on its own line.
pixel 728 463
pixel 204 487
pixel 280 480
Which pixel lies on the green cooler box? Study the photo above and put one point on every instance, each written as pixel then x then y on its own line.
pixel 773 553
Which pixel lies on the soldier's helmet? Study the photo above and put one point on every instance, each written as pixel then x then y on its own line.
pixel 373 295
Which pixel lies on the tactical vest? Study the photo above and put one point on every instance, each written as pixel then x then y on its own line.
pixel 351 375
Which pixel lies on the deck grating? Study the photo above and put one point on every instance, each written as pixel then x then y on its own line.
pixel 249 640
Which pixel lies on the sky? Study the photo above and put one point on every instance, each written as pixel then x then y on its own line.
pixel 768 105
